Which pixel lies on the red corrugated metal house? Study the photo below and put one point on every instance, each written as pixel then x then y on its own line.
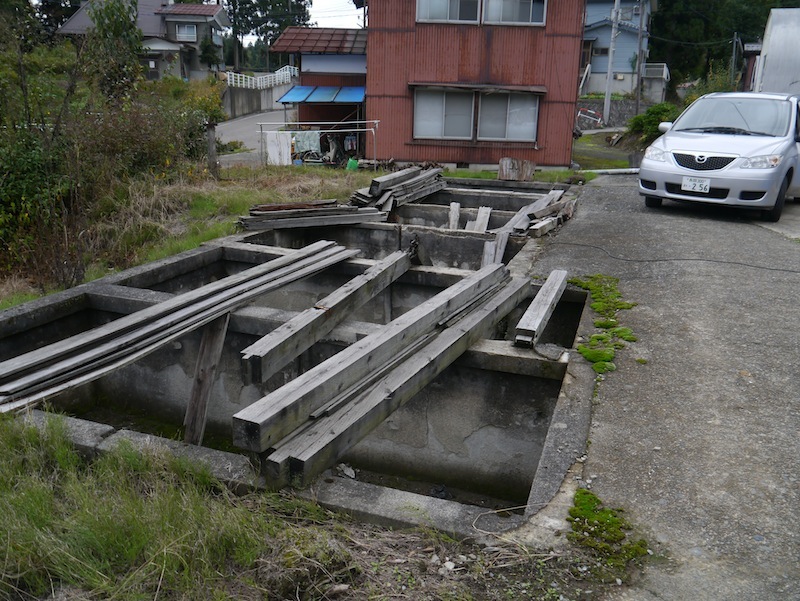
pixel 332 64
pixel 473 81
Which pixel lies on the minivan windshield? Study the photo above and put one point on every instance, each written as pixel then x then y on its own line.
pixel 737 115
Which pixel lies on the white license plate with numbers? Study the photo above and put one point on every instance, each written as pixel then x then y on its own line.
pixel 696 184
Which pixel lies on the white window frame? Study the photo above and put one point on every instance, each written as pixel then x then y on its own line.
pixel 186 36
pixel 484 8
pixel 510 127
pixel 441 134
pixel 490 6
pixel 423 12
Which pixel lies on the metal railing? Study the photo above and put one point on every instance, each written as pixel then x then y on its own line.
pixel 281 76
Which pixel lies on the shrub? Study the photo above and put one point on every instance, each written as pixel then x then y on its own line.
pixel 646 124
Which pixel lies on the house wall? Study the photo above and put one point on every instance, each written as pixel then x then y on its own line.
pixel 400 51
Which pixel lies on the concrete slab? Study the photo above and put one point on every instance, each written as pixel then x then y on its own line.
pixel 695 435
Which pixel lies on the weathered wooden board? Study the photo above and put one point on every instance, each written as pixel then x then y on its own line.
pixel 453 216
pixel 93 362
pixel 205 370
pixel 534 320
pixel 482 220
pixel 272 352
pixel 380 184
pixel 542 227
pixel 272 417
pixel 318 446
pixel 34 359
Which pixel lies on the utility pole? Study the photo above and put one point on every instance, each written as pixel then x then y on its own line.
pixel 610 73
pixel 639 57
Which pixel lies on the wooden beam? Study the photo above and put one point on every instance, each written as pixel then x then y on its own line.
pixel 455 209
pixel 272 417
pixel 94 362
pixel 272 352
pixel 380 184
pixel 205 370
pixel 34 359
pixel 534 320
pixel 542 227
pixel 482 220
pixel 318 446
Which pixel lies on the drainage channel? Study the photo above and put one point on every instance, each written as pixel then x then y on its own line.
pixel 487 439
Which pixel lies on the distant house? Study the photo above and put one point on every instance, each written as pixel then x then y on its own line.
pixel 472 81
pixel 174 35
pixel 630 49
pixel 332 67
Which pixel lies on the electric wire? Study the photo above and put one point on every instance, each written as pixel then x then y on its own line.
pixel 678 259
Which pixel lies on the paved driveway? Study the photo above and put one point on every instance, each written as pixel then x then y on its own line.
pixel 697 441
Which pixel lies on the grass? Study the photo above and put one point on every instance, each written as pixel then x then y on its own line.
pixel 131 525
pixel 591 151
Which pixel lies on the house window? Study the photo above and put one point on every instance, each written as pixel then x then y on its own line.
pixel 528 12
pixel 185 32
pixel 599 51
pixel 508 116
pixel 440 114
pixel 447 10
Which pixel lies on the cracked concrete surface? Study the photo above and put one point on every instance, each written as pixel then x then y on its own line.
pixel 699 442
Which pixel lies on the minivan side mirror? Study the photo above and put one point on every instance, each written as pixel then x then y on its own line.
pixel 664 126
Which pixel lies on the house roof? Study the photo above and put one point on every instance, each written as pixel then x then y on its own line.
pixel 321 40
pixel 150 17
pixel 622 25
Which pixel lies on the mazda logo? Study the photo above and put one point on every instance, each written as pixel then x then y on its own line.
pixel 701 158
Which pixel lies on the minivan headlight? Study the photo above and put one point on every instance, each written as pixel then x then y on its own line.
pixel 765 161
pixel 655 154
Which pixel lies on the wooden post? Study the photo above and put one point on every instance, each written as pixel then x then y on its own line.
pixel 455 209
pixel 204 372
pixel 534 320
pixel 211 137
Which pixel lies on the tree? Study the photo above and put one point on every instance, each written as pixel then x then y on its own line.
pixel 53 13
pixel 271 17
pixel 114 44
pixel 690 35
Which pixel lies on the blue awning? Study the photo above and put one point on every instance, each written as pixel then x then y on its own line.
pixel 324 95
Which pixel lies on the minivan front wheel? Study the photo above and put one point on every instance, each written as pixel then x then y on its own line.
pixel 774 214
pixel 652 202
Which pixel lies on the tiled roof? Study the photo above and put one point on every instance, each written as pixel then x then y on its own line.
pixel 203 10
pixel 321 40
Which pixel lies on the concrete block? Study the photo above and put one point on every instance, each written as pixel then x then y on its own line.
pixel 234 470
pixel 85 435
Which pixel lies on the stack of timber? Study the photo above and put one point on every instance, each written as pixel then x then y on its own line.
pixel 305 426
pixel 37 375
pixel 535 219
pixel 313 213
pixel 396 189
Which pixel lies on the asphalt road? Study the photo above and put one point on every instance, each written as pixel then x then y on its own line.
pixel 697 440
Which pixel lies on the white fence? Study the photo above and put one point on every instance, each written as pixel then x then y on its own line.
pixel 281 76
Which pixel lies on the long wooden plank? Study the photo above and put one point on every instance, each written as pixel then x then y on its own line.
pixel 272 417
pixel 379 184
pixel 310 451
pixel 205 369
pixel 272 352
pixel 239 294
pixel 126 353
pixel 30 360
pixel 362 216
pixel 534 320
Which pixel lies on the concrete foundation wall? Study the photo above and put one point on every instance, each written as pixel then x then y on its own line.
pixel 238 102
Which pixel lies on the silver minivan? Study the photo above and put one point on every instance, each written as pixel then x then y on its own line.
pixel 738 149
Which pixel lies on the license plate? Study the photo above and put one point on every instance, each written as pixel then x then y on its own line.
pixel 696 184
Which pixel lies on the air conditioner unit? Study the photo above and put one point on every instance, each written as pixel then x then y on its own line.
pixel 619 76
